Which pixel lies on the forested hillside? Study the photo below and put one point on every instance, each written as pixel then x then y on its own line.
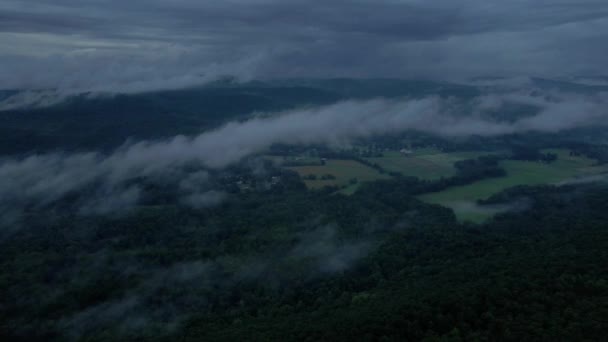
pixel 295 265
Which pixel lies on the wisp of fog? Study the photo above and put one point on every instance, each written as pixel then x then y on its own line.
pixel 39 180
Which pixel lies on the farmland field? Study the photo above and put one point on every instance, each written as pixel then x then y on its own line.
pixel 294 160
pixel 342 170
pixel 427 164
pixel 463 198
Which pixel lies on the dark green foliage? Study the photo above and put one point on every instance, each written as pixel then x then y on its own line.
pixel 106 122
pixel 93 122
pixel 281 263
pixel 254 269
pixel 531 154
pixel 533 276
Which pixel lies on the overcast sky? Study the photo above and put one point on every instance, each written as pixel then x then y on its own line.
pixel 132 45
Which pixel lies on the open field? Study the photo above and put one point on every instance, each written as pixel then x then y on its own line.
pixel 303 160
pixel 462 198
pixel 342 170
pixel 427 163
pixel 433 164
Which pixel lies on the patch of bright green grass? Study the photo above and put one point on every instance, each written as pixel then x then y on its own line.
pixel 518 173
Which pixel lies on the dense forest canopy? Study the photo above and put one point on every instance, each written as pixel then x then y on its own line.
pixel 290 170
pixel 334 234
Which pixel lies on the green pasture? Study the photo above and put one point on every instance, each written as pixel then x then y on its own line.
pixel 460 198
pixel 426 163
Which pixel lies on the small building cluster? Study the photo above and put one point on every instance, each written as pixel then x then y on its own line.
pixel 406 152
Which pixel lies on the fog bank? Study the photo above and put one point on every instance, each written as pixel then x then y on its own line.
pixel 40 180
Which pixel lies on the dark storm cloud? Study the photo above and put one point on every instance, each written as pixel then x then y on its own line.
pixel 134 40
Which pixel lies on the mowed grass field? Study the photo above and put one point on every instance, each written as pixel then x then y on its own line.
pixel 343 170
pixel 462 198
pixel 427 164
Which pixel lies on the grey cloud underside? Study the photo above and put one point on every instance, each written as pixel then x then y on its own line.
pixel 41 180
pixel 418 20
pixel 108 45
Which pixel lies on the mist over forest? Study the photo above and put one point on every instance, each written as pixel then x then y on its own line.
pixel 286 170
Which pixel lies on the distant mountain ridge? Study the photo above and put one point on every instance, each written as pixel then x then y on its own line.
pixel 104 121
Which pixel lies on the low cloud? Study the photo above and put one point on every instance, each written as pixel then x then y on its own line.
pixel 164 297
pixel 196 193
pixel 115 73
pixel 585 179
pixel 32 99
pixel 488 210
pixel 329 253
pixel 207 199
pixel 40 180
pixel 142 310
pixel 43 86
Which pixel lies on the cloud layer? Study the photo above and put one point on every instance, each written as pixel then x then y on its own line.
pixel 137 45
pixel 40 180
